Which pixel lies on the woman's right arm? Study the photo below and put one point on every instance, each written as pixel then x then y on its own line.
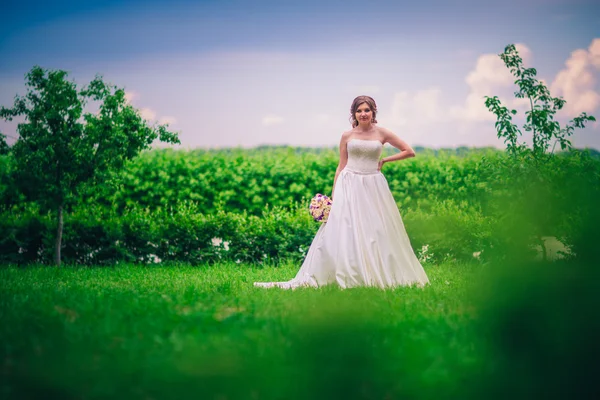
pixel 343 159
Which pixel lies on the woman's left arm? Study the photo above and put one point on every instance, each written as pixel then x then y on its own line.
pixel 405 150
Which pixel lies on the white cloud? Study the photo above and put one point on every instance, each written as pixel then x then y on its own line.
pixel 416 108
pixel 490 77
pixel 595 52
pixel 167 120
pixel 129 96
pixel 271 119
pixel 427 103
pixel 400 108
pixel 148 114
pixel 489 71
pixel 576 83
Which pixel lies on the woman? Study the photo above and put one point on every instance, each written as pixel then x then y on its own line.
pixel 363 242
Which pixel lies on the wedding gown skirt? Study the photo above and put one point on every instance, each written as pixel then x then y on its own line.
pixel 363 242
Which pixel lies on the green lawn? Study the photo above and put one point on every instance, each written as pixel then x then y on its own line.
pixel 207 333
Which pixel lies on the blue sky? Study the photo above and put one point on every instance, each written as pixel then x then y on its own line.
pixel 246 73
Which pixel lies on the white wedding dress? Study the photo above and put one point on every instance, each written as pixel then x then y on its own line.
pixel 363 242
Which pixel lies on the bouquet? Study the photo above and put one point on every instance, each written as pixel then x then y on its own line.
pixel 319 208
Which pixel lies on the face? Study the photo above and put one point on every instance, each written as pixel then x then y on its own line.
pixel 363 113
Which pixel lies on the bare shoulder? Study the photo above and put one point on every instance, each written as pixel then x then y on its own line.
pixel 386 134
pixel 346 135
pixel 394 140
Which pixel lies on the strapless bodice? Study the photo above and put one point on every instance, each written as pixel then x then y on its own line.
pixel 363 156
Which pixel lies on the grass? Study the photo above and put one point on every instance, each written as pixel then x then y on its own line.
pixel 206 333
pixel 156 332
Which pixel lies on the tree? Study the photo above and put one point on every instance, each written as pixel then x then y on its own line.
pixel 540 116
pixel 61 148
pixel 532 186
pixel 4 149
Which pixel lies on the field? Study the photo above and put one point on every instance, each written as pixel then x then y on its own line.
pixel 178 331
pixel 205 332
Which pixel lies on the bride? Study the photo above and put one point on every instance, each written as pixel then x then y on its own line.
pixel 363 242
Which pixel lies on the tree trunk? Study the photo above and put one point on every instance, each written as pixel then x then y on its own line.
pixel 59 231
pixel 544 250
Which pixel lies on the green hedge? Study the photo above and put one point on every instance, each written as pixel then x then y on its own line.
pixel 247 179
pixel 452 207
pixel 94 236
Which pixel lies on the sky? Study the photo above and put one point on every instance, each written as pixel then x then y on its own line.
pixel 234 73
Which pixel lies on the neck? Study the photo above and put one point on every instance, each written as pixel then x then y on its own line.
pixel 364 126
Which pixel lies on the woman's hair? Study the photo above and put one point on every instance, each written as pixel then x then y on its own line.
pixel 357 102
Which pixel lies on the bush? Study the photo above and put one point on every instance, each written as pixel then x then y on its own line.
pixel 453 207
pixel 95 236
pixel 449 231
pixel 531 198
pixel 242 180
pixel 23 236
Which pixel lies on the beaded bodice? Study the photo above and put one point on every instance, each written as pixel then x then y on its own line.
pixel 363 155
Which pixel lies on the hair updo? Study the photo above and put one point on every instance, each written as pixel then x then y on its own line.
pixel 357 102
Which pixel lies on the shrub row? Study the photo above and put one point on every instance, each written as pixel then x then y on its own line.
pixel 94 236
pixel 245 180
pixel 498 204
